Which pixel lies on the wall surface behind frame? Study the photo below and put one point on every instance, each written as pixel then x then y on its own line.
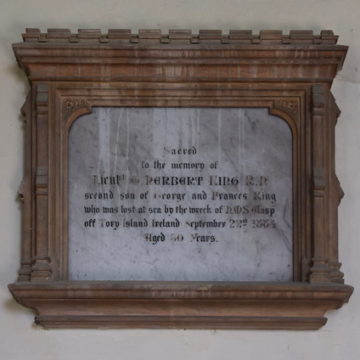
pixel 19 339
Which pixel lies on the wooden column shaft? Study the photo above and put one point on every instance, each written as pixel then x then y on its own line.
pixel 41 269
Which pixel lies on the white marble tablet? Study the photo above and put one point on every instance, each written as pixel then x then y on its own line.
pixel 180 194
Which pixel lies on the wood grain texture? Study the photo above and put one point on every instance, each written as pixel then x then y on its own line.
pixel 177 305
pixel 290 75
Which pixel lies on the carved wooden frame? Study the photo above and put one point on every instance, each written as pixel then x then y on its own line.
pixel 291 75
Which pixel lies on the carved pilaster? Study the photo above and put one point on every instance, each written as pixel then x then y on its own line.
pixel 24 195
pixel 41 266
pixel 335 195
pixel 319 270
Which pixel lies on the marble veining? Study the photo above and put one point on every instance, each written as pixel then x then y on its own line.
pixel 150 195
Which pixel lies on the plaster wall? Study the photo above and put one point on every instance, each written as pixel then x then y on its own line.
pixel 19 339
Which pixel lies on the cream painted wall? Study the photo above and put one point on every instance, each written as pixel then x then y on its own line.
pixel 19 339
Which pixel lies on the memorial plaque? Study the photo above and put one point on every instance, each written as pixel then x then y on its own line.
pixel 180 180
pixel 180 194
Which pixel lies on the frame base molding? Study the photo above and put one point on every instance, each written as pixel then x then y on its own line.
pixel 194 305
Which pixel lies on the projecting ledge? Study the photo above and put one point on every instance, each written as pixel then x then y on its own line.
pixel 295 306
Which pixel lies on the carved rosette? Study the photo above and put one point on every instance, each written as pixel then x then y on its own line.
pixel 71 105
pixel 289 106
